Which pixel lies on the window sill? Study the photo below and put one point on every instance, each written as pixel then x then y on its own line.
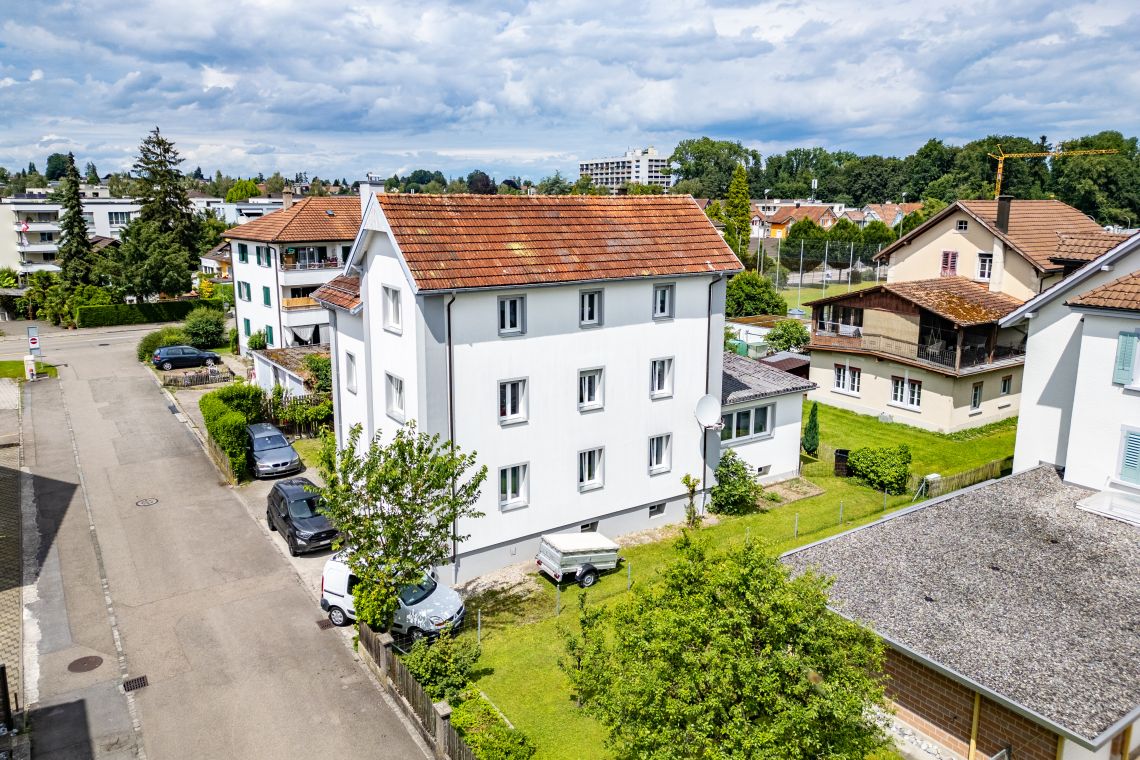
pixel 908 407
pixel 512 421
pixel 845 392
pixel 395 330
pixel 974 413
pixel 584 487
pixel 747 439
pixel 660 470
pixel 395 416
pixel 511 334
pixel 589 325
pixel 666 318
pixel 660 395
pixel 1006 405
pixel 511 506
pixel 351 390
pixel 583 408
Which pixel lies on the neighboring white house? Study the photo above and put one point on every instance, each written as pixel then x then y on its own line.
pixel 1080 406
pixel 761 412
pixel 280 259
pixel 566 339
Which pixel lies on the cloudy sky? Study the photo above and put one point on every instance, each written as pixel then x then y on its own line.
pixel 340 88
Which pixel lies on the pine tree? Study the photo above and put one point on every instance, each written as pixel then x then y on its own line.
pixel 163 195
pixel 738 212
pixel 75 252
pixel 810 440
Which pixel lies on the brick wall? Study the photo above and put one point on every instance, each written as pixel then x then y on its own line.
pixel 943 709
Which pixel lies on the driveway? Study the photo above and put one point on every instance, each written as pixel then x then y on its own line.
pixel 185 590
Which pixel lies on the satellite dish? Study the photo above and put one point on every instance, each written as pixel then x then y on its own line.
pixel 708 411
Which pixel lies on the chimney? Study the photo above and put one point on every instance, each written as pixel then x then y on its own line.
pixel 1003 212
pixel 286 198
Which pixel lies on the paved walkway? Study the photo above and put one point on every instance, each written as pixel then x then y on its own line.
pixel 11 547
pixel 188 591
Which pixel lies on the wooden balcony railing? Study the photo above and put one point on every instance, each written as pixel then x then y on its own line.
pixel 295 304
pixel 939 353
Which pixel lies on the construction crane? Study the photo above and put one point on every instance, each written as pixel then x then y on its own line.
pixel 1001 156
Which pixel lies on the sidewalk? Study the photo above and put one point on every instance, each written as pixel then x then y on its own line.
pixel 11 545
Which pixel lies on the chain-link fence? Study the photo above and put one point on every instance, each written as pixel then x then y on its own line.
pixel 804 270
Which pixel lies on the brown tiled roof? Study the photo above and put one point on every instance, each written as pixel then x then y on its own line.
pixel 99 242
pixel 1036 227
pixel 1122 293
pixel 786 364
pixel 1087 247
pixel 854 214
pixel 477 241
pixel 308 220
pixel 888 211
pixel 796 213
pixel 957 299
pixel 341 292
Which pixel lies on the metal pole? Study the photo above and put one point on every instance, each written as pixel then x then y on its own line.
pixel 778 241
pixel 796 528
pixel 850 265
pixel 841 513
pixel 826 243
pixel 884 500
pixel 479 625
pixel 800 285
pixel 628 576
pixel 558 599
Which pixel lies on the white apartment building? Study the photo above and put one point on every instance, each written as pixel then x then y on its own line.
pixel 280 259
pixel 240 212
pixel 1080 406
pixel 644 166
pixel 30 231
pixel 566 340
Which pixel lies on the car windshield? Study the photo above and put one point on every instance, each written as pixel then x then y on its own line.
pixel 271 441
pixel 417 592
pixel 304 508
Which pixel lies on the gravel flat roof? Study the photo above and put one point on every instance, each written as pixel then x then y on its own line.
pixel 1009 585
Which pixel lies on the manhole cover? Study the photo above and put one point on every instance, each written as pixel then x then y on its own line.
pixel 146 502
pixel 324 624
pixel 135 683
pixel 85 664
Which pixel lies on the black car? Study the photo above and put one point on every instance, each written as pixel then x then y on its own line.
pixel 172 357
pixel 292 510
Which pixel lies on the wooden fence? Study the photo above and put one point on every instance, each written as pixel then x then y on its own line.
pixel 432 719
pixel 221 459
pixel 199 377
pixel 948 483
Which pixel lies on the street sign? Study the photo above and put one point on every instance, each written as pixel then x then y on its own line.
pixel 34 341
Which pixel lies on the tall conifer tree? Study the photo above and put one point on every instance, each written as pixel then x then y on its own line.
pixel 75 251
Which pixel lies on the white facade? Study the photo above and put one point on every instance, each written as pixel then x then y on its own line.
pixel 30 231
pixel 238 212
pixel 1072 414
pixel 441 363
pixel 272 287
pixel 773 455
pixel 643 166
pixel 268 374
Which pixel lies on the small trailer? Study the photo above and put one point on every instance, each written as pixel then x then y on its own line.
pixel 576 556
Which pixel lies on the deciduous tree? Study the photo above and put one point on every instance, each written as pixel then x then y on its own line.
pixel 729 656
pixel 56 167
pixel 712 162
pixel 242 190
pixel 397 506
pixel 480 182
pixel 787 334
pixel 749 294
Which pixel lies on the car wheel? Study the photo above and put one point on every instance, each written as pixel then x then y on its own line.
pixel 416 634
pixel 269 521
pixel 337 617
pixel 589 578
pixel 209 362
pixel 167 366
pixel 292 548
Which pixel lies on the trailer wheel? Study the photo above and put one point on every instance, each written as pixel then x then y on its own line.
pixel 588 578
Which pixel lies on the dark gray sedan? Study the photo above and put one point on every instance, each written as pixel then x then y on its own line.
pixel 270 452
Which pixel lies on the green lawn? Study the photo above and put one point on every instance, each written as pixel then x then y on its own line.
pixel 15 369
pixel 812 291
pixel 308 448
pixel 521 640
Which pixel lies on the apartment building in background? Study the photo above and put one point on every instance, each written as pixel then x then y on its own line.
pixel 30 230
pixel 644 166
pixel 277 262
pixel 565 339
pixel 929 347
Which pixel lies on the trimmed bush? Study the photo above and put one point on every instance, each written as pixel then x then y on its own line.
pixel 206 327
pixel 884 469
pixel 443 667
pixel 485 733
pixel 235 347
pixel 257 341
pixel 167 336
pixel 228 431
pixel 810 440
pixel 140 313
pixel 736 491
pixel 245 398
pixel 226 412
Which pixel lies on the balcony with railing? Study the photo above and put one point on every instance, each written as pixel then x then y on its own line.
pixel 298 304
pixel 938 349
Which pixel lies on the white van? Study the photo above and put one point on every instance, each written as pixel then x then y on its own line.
pixel 425 607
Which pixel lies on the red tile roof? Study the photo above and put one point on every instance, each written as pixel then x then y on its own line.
pixel 795 213
pixel 339 293
pixel 480 241
pixel 957 299
pixel 308 220
pixel 1087 247
pixel 1121 294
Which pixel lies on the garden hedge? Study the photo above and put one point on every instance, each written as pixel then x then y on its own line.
pixel 140 313
pixel 226 412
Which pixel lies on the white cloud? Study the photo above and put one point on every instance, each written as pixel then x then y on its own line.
pixel 340 87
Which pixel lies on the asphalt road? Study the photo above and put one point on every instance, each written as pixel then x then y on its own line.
pixel 190 591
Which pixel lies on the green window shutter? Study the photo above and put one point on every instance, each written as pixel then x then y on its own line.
pixel 265 296
pixel 246 324
pixel 1130 459
pixel 243 253
pixel 1125 358
pixel 269 335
